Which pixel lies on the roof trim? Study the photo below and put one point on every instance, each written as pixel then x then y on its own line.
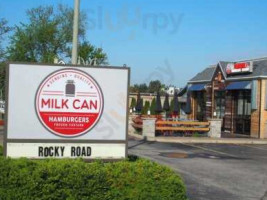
pixel 219 64
pixel 183 91
pixel 200 81
pixel 215 66
pixel 247 78
pixel 223 72
pixel 230 79
pixel 253 59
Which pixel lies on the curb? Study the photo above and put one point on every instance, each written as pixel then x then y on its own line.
pixel 136 136
pixel 202 140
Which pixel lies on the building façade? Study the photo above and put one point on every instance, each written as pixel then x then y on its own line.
pixel 235 92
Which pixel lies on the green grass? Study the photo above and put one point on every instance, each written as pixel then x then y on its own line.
pixel 196 134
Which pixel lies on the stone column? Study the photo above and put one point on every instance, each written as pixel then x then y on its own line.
pixel 149 126
pixel 215 128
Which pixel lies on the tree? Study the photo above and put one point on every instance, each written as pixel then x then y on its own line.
pixel 133 103
pixel 146 108
pixel 4 29
pixel 2 80
pixel 154 86
pixel 153 106
pixel 90 54
pixel 47 35
pixel 132 89
pixel 143 88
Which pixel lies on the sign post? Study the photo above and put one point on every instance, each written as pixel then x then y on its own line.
pixel 66 112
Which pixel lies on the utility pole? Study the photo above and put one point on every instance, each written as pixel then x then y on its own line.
pixel 75 32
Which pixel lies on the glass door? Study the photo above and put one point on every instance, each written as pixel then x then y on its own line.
pixel 219 104
pixel 201 106
pixel 242 113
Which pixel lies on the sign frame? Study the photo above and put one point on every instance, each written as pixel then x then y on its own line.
pixel 230 69
pixel 64 140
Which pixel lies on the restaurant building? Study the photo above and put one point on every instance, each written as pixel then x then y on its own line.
pixel 235 92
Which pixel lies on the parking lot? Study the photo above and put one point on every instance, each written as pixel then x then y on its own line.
pixel 212 171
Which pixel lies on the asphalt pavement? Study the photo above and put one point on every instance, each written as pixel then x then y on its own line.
pixel 212 171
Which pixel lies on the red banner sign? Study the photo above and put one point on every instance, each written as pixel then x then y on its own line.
pixel 243 67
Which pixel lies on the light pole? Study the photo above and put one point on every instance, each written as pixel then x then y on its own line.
pixel 75 32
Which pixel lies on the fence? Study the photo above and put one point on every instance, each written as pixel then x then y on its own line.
pixel 150 126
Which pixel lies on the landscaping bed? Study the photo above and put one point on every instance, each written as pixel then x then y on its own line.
pixel 74 179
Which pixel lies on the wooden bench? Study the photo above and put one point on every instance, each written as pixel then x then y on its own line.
pixel 182 126
pixel 137 126
pixel 137 123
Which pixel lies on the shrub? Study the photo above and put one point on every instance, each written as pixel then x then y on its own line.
pixel 146 108
pixel 75 179
pixel 153 106
pixel 144 180
pixel 133 103
pixel 1 150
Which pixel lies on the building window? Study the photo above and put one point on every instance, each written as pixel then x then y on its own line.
pixel 242 115
pixel 201 106
pixel 219 104
pixel 243 103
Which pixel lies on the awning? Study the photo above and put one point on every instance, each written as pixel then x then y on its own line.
pixel 197 87
pixel 240 85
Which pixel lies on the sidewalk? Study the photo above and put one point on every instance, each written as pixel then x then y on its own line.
pixel 168 139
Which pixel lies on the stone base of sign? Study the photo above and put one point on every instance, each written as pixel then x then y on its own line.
pixel 149 128
pixel 215 128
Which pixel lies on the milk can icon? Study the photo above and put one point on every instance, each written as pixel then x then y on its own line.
pixel 70 88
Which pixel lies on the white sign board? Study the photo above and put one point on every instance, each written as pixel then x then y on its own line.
pixel 66 111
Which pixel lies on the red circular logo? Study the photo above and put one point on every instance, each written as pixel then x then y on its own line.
pixel 69 102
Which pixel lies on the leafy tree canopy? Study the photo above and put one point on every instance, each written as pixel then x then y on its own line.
pixel 48 34
pixel 153 87
pixel 91 55
pixel 4 29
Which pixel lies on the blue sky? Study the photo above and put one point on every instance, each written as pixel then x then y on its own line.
pixel 170 40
